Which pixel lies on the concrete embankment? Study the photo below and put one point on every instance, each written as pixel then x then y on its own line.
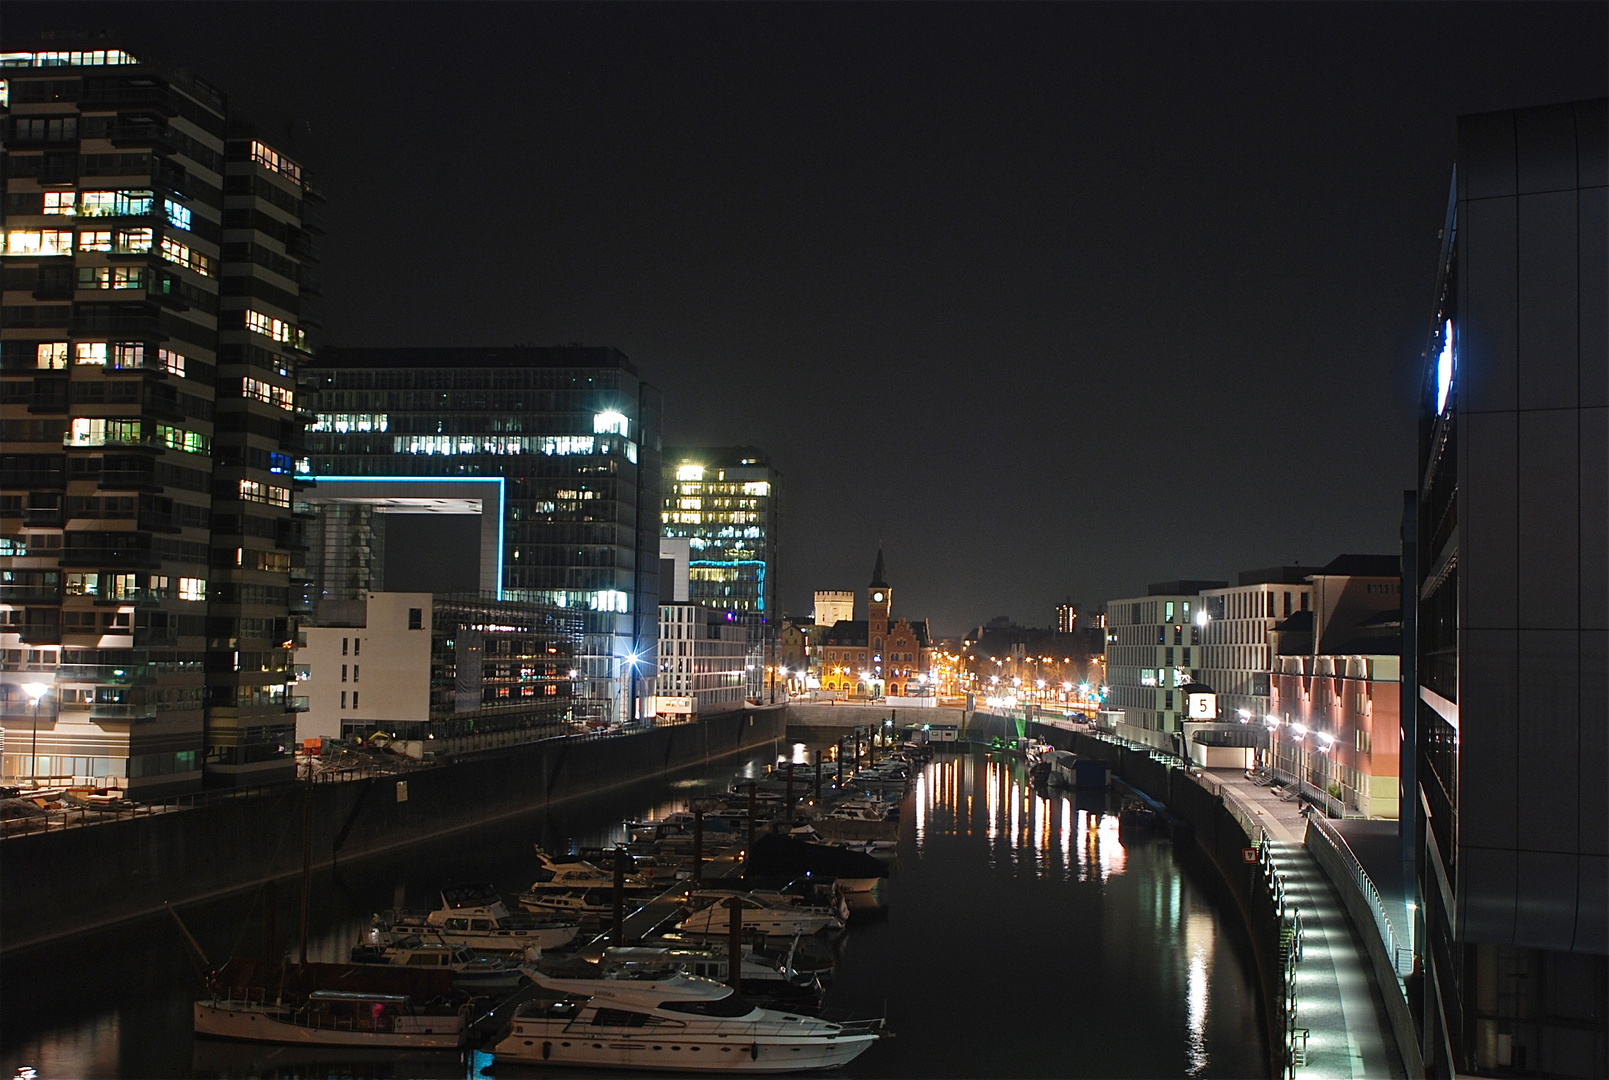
pixel 63 882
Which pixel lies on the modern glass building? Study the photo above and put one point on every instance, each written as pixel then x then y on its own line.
pixel 574 434
pixel 725 502
pixel 1507 726
pixel 152 258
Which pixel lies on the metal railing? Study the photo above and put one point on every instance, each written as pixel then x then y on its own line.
pixel 1382 921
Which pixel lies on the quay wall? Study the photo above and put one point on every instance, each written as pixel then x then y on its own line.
pixel 1217 832
pixel 58 883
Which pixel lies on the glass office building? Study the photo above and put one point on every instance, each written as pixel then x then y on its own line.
pixel 574 434
pixel 1506 722
pixel 724 501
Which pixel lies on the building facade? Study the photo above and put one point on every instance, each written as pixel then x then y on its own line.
pixel 880 657
pixel 1333 712
pixel 438 668
pixel 703 661
pixel 725 502
pixel 833 606
pixel 1509 543
pixel 151 332
pixel 1153 651
pixel 571 435
pixel 1236 658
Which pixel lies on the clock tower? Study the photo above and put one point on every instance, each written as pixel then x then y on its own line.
pixel 879 599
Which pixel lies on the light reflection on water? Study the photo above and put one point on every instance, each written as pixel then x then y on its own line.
pixel 1027 934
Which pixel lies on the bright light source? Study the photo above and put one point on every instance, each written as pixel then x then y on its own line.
pixel 35 690
pixel 690 472
pixel 1202 617
pixel 1444 368
pixel 610 423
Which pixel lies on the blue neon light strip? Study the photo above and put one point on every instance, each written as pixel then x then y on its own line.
pixel 502 498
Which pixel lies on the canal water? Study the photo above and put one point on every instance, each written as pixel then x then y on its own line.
pixel 1024 935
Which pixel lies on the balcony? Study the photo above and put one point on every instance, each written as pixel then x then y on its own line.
pixel 30 594
pixel 127 711
pixel 43 517
pixel 152 99
pixel 41 633
pixel 105 674
pixel 155 637
pixel 134 134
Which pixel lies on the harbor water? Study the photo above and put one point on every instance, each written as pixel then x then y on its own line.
pixel 1023 934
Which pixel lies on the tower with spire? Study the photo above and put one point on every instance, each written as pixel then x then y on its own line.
pixel 880 656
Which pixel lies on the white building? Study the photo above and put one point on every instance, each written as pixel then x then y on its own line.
pixel 1153 650
pixel 376 673
pixel 703 659
pixel 833 606
pixel 1236 656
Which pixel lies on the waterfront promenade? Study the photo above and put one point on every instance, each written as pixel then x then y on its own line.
pixel 1340 1002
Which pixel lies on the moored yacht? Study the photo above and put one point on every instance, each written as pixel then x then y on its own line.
pixel 333 1005
pixel 631 1017
pixel 765 913
pixel 474 915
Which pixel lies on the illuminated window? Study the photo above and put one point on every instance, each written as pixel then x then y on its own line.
pixel 172 362
pixel 758 487
pixel 610 423
pixel 114 203
pixel 277 396
pixel 96 58
pixel 341 423
pixel 40 242
pixel 274 161
pixel 184 255
pixel 253 491
pixel 189 442
pixel 61 202
pixel 690 472
pixel 90 352
pixel 81 584
pixel 96 431
pixel 278 329
pixel 178 215
pixel 51 355
pixel 111 277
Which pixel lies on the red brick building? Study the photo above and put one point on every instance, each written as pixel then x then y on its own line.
pixel 880 656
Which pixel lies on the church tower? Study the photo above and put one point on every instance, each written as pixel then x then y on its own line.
pixel 879 599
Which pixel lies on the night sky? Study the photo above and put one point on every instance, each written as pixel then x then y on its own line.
pixel 1053 300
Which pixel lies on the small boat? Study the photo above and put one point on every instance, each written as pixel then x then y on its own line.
pixel 590 906
pixel 334 1005
pixel 471 972
pixel 474 915
pixel 766 913
pixel 629 1017
pixel 558 872
pixel 765 977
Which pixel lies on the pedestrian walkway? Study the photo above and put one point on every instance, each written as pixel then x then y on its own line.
pixel 1338 1000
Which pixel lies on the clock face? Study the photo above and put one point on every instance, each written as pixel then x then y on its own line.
pixel 878 597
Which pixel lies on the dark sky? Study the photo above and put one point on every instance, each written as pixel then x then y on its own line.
pixel 1053 299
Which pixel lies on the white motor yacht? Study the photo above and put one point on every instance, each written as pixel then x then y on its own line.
pixel 474 915
pixel 630 1017
pixel 762 913
pixel 472 972
pixel 560 873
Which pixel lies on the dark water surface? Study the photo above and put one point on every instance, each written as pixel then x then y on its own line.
pixel 1025 936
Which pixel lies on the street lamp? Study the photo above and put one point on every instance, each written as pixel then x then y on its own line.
pixel 36 692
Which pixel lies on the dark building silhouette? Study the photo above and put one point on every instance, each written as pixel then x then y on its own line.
pixel 1508 557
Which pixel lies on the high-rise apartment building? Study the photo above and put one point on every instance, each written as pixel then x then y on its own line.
pixel 724 501
pixel 564 439
pixel 152 273
pixel 1509 542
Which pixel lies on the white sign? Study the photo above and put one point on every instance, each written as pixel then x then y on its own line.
pixel 672 705
pixel 1202 706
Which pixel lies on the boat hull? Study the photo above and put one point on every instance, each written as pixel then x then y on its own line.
pixel 266 1024
pixel 535 1043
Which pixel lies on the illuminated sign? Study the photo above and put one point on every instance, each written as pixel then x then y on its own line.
pixel 1202 706
pixel 1444 369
